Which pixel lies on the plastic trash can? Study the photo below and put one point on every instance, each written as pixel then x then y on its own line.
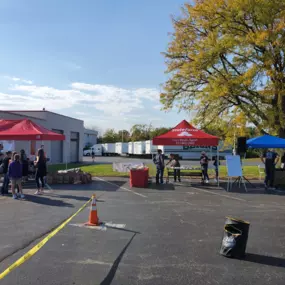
pixel 139 178
pixel 235 238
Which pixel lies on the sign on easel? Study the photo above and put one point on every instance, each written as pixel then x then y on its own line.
pixel 233 163
pixel 234 169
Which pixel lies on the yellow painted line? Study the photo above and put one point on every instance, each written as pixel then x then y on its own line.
pixel 37 247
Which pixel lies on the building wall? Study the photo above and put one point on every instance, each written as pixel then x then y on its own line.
pixel 68 125
pixel 90 139
pixel 51 121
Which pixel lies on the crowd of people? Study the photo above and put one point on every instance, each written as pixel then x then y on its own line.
pixel 16 168
pixel 175 164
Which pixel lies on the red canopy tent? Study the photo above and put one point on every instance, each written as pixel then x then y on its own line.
pixel 186 134
pixel 26 130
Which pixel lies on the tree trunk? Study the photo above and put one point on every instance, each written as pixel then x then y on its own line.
pixel 281 133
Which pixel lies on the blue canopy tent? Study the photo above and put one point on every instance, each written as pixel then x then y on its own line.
pixel 266 141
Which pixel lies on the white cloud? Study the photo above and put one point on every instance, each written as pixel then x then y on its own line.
pixel 157 107
pixel 110 100
pixel 94 103
pixel 17 79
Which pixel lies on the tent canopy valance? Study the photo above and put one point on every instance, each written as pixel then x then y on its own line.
pixel 26 130
pixel 186 134
pixel 266 141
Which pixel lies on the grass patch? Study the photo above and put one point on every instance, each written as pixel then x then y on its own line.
pixel 107 170
pixel 62 166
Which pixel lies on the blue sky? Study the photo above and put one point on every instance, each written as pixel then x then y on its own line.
pixel 98 60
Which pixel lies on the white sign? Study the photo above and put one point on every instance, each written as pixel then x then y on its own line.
pixel 233 163
pixel 184 134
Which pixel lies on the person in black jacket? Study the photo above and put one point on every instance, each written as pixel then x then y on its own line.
pixel 41 171
pixel 5 164
pixel 283 161
pixel 204 161
pixel 159 162
pixel 25 165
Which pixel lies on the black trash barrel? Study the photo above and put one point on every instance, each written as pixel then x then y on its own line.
pixel 235 238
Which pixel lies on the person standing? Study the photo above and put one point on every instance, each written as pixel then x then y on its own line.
pixel 204 161
pixel 270 158
pixel 93 155
pixel 5 165
pixel 1 159
pixel 24 161
pixel 216 164
pixel 174 162
pixel 41 171
pixel 15 174
pixel 159 162
pixel 283 161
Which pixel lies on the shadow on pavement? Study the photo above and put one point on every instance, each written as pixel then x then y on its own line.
pixel 79 198
pixel 122 229
pixel 161 187
pixel 47 201
pixel 109 278
pixel 265 260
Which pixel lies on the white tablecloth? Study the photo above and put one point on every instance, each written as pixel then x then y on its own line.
pixel 126 166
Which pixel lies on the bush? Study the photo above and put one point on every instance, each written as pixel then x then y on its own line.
pixel 253 153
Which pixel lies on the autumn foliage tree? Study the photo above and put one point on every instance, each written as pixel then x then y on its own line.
pixel 226 57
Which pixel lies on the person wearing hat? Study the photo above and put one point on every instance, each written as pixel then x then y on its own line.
pixel 5 165
pixel 204 161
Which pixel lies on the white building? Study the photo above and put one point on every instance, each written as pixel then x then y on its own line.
pixel 70 150
pixel 90 137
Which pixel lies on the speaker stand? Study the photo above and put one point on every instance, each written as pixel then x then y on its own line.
pixel 244 156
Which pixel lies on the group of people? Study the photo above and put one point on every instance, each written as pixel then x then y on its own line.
pixel 174 162
pixel 15 168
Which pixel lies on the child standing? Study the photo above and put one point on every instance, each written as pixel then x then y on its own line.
pixel 15 174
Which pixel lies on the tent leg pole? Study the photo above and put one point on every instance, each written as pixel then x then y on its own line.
pixel 218 162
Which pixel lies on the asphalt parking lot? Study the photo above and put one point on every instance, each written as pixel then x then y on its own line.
pixel 170 234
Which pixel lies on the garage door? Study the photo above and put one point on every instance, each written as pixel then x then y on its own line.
pixel 57 149
pixel 74 146
pixel 73 151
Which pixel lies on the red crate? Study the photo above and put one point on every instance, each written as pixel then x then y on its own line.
pixel 139 178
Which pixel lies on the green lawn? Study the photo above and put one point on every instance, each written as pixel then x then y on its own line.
pixel 107 170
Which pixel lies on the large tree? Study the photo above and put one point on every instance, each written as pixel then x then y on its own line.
pixel 227 56
pixel 110 136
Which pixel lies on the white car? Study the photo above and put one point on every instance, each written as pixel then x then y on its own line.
pixel 87 152
pixel 97 148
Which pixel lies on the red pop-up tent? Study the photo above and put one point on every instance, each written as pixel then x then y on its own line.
pixel 186 134
pixel 26 130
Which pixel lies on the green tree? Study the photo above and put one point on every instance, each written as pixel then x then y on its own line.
pixel 158 131
pixel 110 136
pixel 227 56
pixel 140 132
pixel 124 136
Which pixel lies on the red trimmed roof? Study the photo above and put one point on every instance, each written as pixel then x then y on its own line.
pixel 186 134
pixel 26 130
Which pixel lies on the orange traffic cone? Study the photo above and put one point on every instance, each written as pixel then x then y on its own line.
pixel 93 217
